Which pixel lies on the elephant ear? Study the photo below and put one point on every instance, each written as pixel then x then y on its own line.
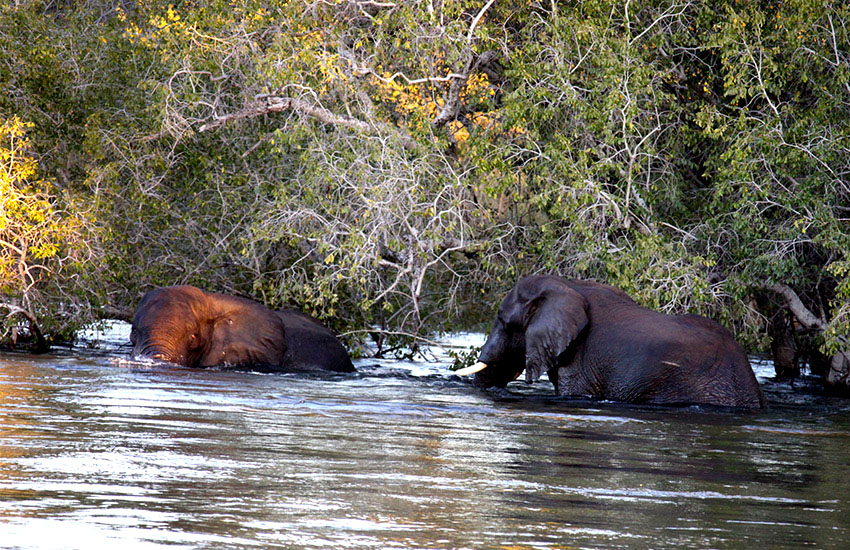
pixel 557 317
pixel 248 334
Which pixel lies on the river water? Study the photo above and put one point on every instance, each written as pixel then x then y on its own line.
pixel 100 452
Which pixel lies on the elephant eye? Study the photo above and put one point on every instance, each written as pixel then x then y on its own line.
pixel 194 341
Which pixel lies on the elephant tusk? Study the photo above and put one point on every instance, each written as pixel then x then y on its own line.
pixel 477 367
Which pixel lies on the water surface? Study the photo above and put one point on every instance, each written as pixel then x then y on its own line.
pixel 99 452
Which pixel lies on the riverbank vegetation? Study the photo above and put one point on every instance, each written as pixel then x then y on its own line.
pixel 394 167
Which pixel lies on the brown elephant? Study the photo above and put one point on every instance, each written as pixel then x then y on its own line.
pixel 593 340
pixel 193 328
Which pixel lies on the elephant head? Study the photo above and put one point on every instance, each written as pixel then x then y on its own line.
pixel 184 325
pixel 535 325
pixel 593 340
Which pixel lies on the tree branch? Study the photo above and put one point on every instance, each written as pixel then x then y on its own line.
pixel 800 311
pixel 475 21
pixel 839 371
pixel 264 105
pixel 452 106
pixel 40 342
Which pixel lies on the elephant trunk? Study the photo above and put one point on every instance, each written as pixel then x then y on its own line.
pixel 158 350
pixel 490 353
pixel 494 348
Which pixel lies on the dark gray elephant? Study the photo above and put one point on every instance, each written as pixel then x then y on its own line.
pixel 593 340
pixel 193 328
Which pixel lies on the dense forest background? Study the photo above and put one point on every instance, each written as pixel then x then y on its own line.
pixel 394 166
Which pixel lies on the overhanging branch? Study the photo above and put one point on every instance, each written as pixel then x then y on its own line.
pixel 839 368
pixel 269 104
pixel 800 311
pixel 451 108
pixel 40 342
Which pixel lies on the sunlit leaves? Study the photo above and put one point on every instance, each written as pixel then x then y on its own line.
pixel 35 236
pixel 688 152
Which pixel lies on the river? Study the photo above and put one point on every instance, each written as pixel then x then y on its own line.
pixel 99 452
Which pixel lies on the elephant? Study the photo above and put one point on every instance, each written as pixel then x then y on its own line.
pixel 594 341
pixel 193 328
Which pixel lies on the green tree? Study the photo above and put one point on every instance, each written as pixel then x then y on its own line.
pixel 39 244
pixel 394 167
pixel 777 207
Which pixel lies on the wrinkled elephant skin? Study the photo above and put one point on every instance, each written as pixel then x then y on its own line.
pixel 193 328
pixel 594 341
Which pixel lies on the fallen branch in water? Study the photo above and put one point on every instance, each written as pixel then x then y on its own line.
pixel 40 342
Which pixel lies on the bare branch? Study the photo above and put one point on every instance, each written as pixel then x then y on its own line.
pixel 475 21
pixel 265 105
pixel 451 108
pixel 40 343
pixel 362 71
pixel 800 311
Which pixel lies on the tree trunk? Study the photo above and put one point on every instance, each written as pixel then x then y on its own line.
pixel 781 330
pixel 838 377
pixel 839 372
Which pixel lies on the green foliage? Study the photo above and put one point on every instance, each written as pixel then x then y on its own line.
pixel 395 167
pixel 36 239
pixel 463 358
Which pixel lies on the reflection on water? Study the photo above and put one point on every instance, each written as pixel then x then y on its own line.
pixel 101 453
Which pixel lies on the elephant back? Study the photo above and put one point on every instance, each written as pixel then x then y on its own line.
pixel 311 346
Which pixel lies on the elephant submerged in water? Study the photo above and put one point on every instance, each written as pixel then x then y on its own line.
pixel 193 328
pixel 593 340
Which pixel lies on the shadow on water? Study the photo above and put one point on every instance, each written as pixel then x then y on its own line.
pixel 102 452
